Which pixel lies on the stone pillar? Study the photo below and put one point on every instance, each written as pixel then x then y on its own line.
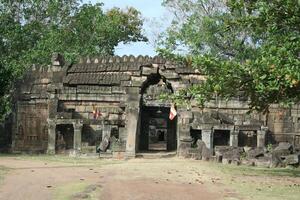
pixel 261 137
pixel 51 137
pixel 132 119
pixel 77 136
pixel 234 138
pixel 132 126
pixel 207 138
pixel 183 129
pixel 184 141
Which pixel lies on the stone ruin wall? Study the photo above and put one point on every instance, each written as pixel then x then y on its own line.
pixel 31 109
pixel 113 85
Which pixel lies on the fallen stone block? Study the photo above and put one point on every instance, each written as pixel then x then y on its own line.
pixel 263 162
pixel 255 153
pixel 236 162
pixel 291 159
pixel 248 162
pixel 276 161
pixel 226 161
pixel 283 149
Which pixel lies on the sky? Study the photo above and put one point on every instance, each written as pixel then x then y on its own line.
pixel 156 20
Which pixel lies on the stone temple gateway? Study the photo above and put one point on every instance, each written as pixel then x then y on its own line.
pixel 79 107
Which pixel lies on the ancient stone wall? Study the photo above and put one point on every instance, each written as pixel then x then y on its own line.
pixel 103 97
pixel 30 114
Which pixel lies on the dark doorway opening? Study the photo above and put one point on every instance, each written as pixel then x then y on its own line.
pixel 221 138
pixel 247 138
pixel 157 131
pixel 64 139
pixel 196 134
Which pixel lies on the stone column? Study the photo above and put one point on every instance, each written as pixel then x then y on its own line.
pixel 131 126
pixel 261 137
pixel 207 138
pixel 106 131
pixel 132 118
pixel 51 137
pixel 234 138
pixel 185 140
pixel 77 137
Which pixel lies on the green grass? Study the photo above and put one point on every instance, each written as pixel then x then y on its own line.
pixel 67 191
pixel 257 171
pixel 254 183
pixel 73 189
pixel 64 159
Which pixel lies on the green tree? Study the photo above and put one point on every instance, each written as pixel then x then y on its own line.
pixel 244 47
pixel 31 30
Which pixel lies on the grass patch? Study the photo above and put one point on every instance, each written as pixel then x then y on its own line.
pixel 258 171
pixel 67 191
pixel 254 183
pixel 262 190
pixel 65 159
pixel 75 191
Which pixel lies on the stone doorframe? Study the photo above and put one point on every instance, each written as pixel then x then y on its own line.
pixel 77 125
pixel 208 131
pixel 261 134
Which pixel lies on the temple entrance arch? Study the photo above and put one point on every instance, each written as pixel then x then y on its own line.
pixel 156 131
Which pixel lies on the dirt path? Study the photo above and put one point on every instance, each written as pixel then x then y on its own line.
pixel 132 180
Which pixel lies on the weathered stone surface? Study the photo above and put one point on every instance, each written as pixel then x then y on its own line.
pixel 137 81
pixel 184 148
pixel 283 149
pixel 263 162
pixel 206 153
pixel 113 117
pixel 292 159
pixel 248 162
pixel 107 84
pixel 226 161
pixel 186 70
pixel 170 74
pixel 230 153
pixel 186 114
pixel 104 144
pixel 276 161
pixel 147 70
pixel 255 153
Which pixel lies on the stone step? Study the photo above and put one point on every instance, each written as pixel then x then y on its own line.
pixel 106 155
pixel 88 149
pixel 155 155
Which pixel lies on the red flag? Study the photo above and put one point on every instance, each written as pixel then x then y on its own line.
pixel 96 113
pixel 173 112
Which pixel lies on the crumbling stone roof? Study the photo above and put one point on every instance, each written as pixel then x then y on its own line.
pixel 107 70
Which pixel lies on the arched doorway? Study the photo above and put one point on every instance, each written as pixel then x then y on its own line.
pixel 157 132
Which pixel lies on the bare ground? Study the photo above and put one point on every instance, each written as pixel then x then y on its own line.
pixel 152 179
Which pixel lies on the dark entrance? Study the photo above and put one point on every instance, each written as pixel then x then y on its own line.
pixel 221 138
pixel 247 138
pixel 196 135
pixel 158 132
pixel 64 139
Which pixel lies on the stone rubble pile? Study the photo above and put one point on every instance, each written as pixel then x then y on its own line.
pixel 282 155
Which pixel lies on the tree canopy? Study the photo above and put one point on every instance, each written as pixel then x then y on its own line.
pixel 244 47
pixel 31 30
